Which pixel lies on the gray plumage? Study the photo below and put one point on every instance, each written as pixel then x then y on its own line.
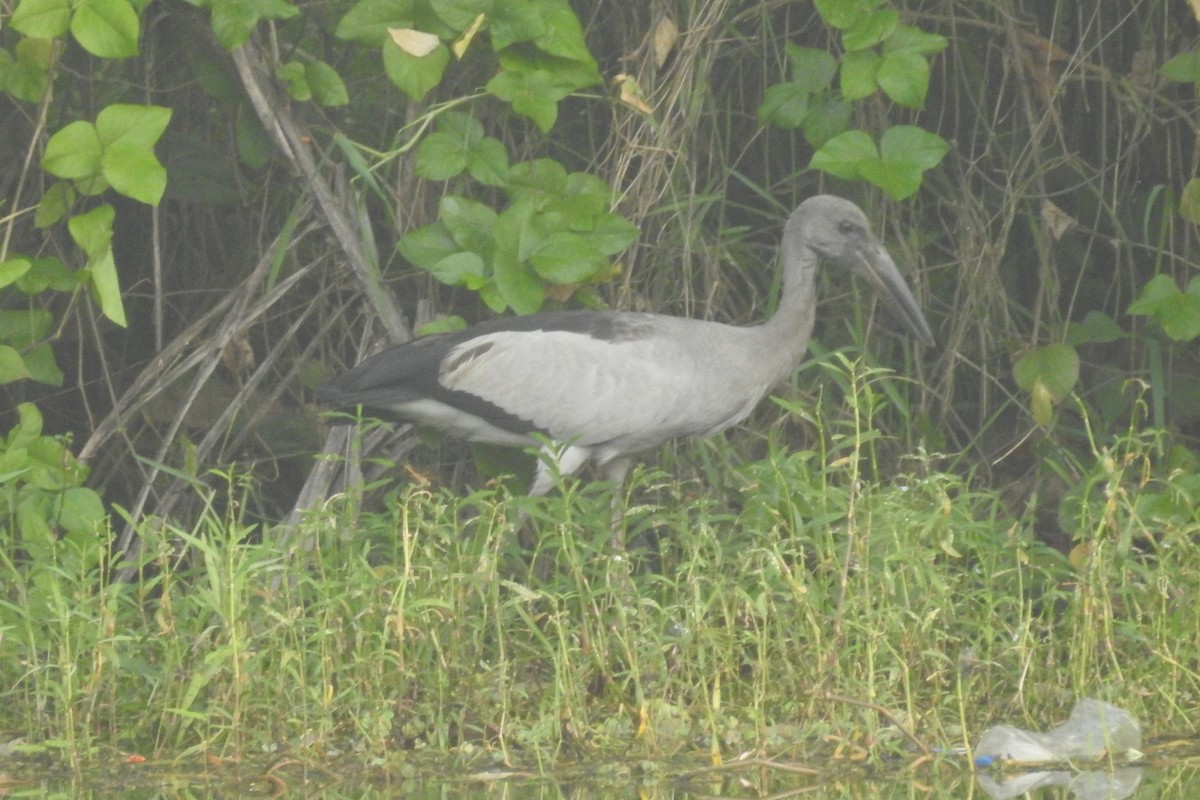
pixel 606 385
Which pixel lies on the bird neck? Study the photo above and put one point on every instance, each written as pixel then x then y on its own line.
pixel 787 332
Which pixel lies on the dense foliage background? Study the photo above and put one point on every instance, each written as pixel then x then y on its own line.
pixel 173 335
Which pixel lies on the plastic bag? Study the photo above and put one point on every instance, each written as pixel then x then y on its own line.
pixel 1094 731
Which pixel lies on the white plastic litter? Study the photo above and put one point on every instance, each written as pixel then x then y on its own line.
pixel 1109 785
pixel 1095 730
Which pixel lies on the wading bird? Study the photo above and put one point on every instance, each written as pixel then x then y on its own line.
pixel 602 386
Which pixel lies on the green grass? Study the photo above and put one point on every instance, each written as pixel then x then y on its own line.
pixel 805 608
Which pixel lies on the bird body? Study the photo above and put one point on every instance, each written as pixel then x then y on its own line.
pixel 606 385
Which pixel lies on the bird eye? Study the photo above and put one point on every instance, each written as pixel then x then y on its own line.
pixel 846 227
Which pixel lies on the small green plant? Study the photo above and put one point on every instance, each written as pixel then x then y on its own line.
pixel 1050 372
pixel 882 54
pixel 556 233
pixel 25 334
pixel 47 515
pixel 114 152
pixel 54 541
pixel 54 515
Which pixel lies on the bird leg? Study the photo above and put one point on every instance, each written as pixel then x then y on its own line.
pixel 615 472
pixel 553 460
pixel 565 461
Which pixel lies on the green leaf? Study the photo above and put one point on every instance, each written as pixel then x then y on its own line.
pixel 461 269
pixel 13 269
pixel 133 124
pixel 785 105
pixel 368 20
pixel 37 538
pixel 1054 366
pixel 566 257
pixel 488 162
pixel 844 13
pixel 52 467
pixel 562 37
pixel 1177 312
pixel 1041 403
pixel 412 75
pixel 56 202
pixel 541 181
pixel 516 283
pixel 93 186
pixel 327 86
pixel 73 152
pixel 441 156
pixel 1096 328
pixel 233 20
pixel 828 116
pixel 870 29
pixel 1158 289
pixel 570 75
pixel 858 75
pixel 571 211
pixel 25 327
pixel 900 179
pixel 461 126
pixel 28 428
pixel 92 231
pixel 427 245
pixel 612 233
pixel 42 19
pixel 469 222
pixel 1183 68
pixel 128 134
pixel 914 40
pixel 489 293
pixel 442 325
pixel 842 155
pixel 1189 201
pixel 459 14
pixel 914 145
pixel 588 188
pixel 904 77
pixel 81 510
pixel 293 76
pixel 1164 507
pixel 39 361
pixel 811 69
pixel 134 172
pixel 48 273
pixel 532 94
pixel 585 197
pixel 106 28
pixel 12 366
pixel 513 21
pixel 28 77
pixel 906 153
pixel 106 287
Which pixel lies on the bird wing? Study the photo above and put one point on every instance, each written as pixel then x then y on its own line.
pixel 646 379
pixel 598 379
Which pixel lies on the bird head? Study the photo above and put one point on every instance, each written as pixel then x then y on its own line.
pixel 839 233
